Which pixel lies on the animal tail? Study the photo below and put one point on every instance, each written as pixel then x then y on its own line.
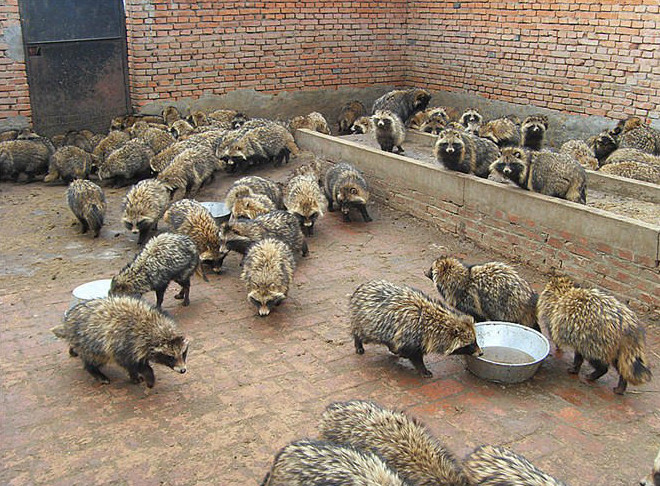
pixel 95 219
pixel 631 363
pixel 293 148
pixel 265 481
pixel 59 331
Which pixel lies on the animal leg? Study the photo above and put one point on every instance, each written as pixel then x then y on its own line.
pixel 365 215
pixel 359 348
pixel 147 373
pixel 96 373
pixel 577 363
pixel 305 248
pixel 72 352
pixel 184 293
pixel 417 360
pixel 621 387
pixel 160 295
pixel 85 226
pixel 600 369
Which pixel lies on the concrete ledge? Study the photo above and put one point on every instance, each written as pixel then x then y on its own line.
pixel 489 197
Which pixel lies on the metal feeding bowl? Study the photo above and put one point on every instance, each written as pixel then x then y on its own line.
pixel 97 289
pixel 218 210
pixel 512 352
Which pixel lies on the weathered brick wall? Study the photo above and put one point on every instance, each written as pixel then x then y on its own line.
pixel 198 48
pixel 14 96
pixel 578 56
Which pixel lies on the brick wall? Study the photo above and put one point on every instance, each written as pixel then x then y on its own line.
pixel 197 48
pixel 14 97
pixel 578 56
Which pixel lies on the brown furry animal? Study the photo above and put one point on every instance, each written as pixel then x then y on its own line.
pixel 434 126
pixel 390 131
pixel 403 102
pixel 492 291
pixel 267 273
pixel 409 323
pixel 270 142
pixel 181 129
pixel 533 130
pixel 124 122
pixel 257 186
pixel 631 155
pixel 144 205
pixel 345 186
pixel 29 157
pixel 157 140
pixel 111 142
pixel 188 217
pixel 313 121
pixel 652 479
pixel 247 204
pixel 128 162
pixel 464 152
pixel 580 151
pixel 197 119
pixel 316 463
pixel 603 145
pixel 406 446
pixel 127 331
pixel 164 258
pixel 189 171
pixel 303 198
pixel 170 115
pixel 471 119
pixel 87 202
pixel 164 158
pixel 501 131
pixel 598 327
pixel 497 466
pixel 362 125
pixel 548 173
pixel 68 163
pixel 634 133
pixel 348 114
pixel 311 166
pixel 634 170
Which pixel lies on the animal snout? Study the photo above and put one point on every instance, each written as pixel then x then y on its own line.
pixel 180 369
pixel 506 171
pixel 449 150
pixel 135 231
pixel 264 311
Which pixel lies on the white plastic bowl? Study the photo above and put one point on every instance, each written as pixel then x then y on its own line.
pixel 516 338
pixel 97 289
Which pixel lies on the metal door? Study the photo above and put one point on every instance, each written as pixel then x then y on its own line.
pixel 76 60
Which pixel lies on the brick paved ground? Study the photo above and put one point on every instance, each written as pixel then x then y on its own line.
pixel 253 384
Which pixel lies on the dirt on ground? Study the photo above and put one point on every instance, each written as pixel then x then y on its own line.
pixel 253 384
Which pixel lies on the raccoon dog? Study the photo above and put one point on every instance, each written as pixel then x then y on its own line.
pixel 471 119
pixel 533 131
pixel 403 102
pixel 497 466
pixel 652 479
pixel 463 152
pixel 502 131
pixel 165 257
pixel 603 145
pixel 547 173
pixel 348 113
pixel 144 205
pixel 304 199
pixel 491 291
pixel 127 331
pixel 87 202
pixel 409 323
pixel 390 131
pixel 345 186
pixel 405 445
pixel 267 273
pixel 598 327
pixel 68 163
pixel 362 125
pixel 317 463
pixel 256 185
pixel 580 151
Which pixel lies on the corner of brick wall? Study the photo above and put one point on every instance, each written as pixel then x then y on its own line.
pixel 14 93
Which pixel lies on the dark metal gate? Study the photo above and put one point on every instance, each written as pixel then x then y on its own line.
pixel 76 62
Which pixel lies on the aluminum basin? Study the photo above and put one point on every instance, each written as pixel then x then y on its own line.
pixel 218 210
pixel 97 289
pixel 512 352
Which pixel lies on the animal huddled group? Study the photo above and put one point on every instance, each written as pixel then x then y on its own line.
pixel 364 443
pixel 507 148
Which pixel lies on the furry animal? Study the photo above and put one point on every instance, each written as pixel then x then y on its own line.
pixel 197 118
pixel 501 131
pixel 603 145
pixel 634 133
pixel 405 445
pixel 68 163
pixel 631 155
pixel 257 186
pixel 170 115
pixel 441 115
pixel 652 479
pixel 492 291
pixel 270 142
pixel 313 121
pixel 433 126
pixel 239 235
pixel 409 323
pixel 188 217
pixel 128 162
pixel 87 202
pixel 464 152
pixel 580 151
pixel 633 170
pixel 471 119
pixel 348 114
pixel 303 198
pixel 127 331
pixel 390 131
pixel 267 273
pixel 124 122
pixel 316 463
pixel 164 258
pixel 345 187
pixel 403 102
pixel 189 171
pixel 181 129
pixel 111 142
pixel 144 204
pixel 497 466
pixel 247 204
pixel 29 157
pixel 78 139
pixel 311 167
pixel 548 173
pixel 598 327
pixel 362 125
pixel 155 138
pixel 533 131
pixel 164 158
pixel 227 119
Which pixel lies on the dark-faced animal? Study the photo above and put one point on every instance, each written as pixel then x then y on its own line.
pixel 652 479
pixel 390 132
pixel 124 330
pixel 403 102
pixel 492 291
pixel 548 173
pixel 144 205
pixel 304 199
pixel 348 113
pixel 598 328
pixel 410 323
pixel 87 202
pixel 362 125
pixel 533 130
pixel 126 163
pixel 463 152
pixel 346 188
